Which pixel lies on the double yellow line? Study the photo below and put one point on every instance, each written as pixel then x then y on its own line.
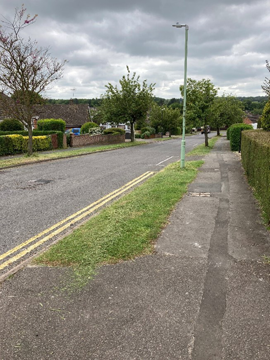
pixel 66 223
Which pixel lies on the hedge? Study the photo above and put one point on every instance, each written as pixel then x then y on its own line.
pixel 114 131
pixel 15 143
pixel 88 125
pixel 255 151
pixel 11 125
pixel 235 135
pixel 51 124
pixel 60 135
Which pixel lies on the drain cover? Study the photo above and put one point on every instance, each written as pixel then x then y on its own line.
pixel 199 194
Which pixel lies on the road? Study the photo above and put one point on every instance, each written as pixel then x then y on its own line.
pixel 35 197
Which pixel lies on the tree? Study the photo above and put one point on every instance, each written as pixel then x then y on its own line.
pixel 164 119
pixel 266 83
pixel 265 119
pixel 200 96
pixel 26 70
pixel 129 103
pixel 225 111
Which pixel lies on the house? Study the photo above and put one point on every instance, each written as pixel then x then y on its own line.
pixel 75 115
pixel 251 119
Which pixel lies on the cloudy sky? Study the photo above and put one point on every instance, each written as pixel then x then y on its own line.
pixel 229 41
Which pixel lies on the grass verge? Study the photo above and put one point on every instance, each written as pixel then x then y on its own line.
pixel 37 157
pixel 127 228
pixel 201 150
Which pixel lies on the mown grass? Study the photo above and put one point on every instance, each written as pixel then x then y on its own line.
pixel 127 228
pixel 201 150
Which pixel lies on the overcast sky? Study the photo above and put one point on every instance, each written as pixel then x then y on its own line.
pixel 229 41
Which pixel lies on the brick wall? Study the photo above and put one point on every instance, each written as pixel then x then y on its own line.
pixel 85 139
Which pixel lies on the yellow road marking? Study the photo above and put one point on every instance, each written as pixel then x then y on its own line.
pixel 76 217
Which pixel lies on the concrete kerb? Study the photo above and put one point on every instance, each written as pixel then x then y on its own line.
pixel 204 294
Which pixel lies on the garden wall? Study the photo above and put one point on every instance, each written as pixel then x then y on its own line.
pixel 86 139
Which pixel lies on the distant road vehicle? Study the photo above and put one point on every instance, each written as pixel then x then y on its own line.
pixel 75 131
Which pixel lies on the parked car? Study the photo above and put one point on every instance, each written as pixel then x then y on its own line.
pixel 207 128
pixel 75 131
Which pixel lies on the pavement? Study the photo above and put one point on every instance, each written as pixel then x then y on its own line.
pixel 203 294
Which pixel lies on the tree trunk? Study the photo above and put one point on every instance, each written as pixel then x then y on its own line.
pixel 218 131
pixel 205 136
pixel 30 140
pixel 132 132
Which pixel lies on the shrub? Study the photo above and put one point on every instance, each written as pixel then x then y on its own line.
pixel 146 134
pixel 114 131
pixel 95 131
pixel 51 124
pixel 265 119
pixel 137 136
pixel 149 129
pixel 235 135
pixel 11 125
pixel 6 145
pixel 86 126
pixel 40 143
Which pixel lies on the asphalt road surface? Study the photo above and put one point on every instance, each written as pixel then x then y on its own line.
pixel 35 197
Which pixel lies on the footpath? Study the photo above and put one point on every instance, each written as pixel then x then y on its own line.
pixel 203 295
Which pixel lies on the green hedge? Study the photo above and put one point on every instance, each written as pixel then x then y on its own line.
pixel 114 131
pixel 51 124
pixel 148 129
pixel 60 134
pixel 88 125
pixel 15 143
pixel 255 151
pixel 11 125
pixel 235 135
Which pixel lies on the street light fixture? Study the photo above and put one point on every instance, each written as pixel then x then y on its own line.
pixel 183 143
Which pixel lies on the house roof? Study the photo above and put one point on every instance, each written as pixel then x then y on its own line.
pixel 75 115
pixel 247 121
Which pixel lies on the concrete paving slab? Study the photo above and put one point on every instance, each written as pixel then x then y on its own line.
pixel 204 294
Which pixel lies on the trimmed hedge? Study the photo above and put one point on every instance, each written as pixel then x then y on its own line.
pixel 235 135
pixel 51 124
pixel 148 129
pixel 114 131
pixel 88 125
pixel 15 143
pixel 60 135
pixel 11 125
pixel 255 151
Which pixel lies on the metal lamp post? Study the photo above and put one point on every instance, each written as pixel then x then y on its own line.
pixel 183 143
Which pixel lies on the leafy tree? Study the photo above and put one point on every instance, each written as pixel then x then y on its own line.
pixel 129 103
pixel 265 119
pixel 164 118
pixel 200 96
pixel 266 83
pixel 225 111
pixel 25 71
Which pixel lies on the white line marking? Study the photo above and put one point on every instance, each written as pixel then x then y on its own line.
pixel 194 145
pixel 164 160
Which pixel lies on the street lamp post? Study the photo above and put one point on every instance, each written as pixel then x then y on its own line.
pixel 183 143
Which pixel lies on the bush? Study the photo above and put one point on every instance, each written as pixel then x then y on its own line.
pixel 114 131
pixel 40 143
pixel 255 151
pixel 146 134
pixel 51 124
pixel 137 136
pixel 149 129
pixel 235 135
pixel 95 131
pixel 228 133
pixel 11 125
pixel 265 119
pixel 88 125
